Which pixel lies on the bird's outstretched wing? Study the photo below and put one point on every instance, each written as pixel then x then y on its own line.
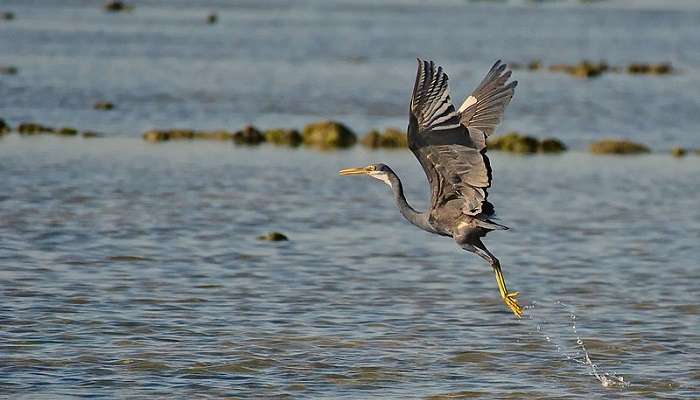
pixel 483 109
pixel 452 152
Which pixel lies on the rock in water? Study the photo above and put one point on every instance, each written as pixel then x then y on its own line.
pixel 678 152
pixel 273 237
pixel 289 137
pixel 551 145
pixel 328 134
pixel 514 143
pixel 4 127
pixel 613 146
pixel 104 105
pixel 31 128
pixel 117 6
pixel 248 135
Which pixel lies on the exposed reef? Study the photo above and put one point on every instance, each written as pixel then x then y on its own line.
pixel 390 138
pixel 589 69
pixel 117 6
pixel 328 134
pixel 103 105
pixel 678 152
pixel 4 127
pixel 283 137
pixel 522 144
pixel 273 237
pixel 617 146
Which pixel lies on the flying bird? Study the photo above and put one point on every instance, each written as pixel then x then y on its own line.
pixel 450 145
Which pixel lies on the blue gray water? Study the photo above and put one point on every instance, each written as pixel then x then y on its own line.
pixel 130 269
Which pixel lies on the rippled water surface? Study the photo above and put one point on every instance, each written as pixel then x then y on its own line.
pixel 131 270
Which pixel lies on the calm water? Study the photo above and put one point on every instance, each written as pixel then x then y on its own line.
pixel 133 270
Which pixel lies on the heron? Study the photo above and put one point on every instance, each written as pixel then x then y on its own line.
pixel 450 145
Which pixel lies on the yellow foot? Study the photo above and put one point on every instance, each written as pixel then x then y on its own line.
pixel 512 303
pixel 508 297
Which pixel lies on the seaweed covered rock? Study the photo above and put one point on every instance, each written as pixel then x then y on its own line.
pixel 248 135
pixel 514 143
pixel 7 15
pixel 650 69
pixel 32 128
pixel 328 134
pixel 117 6
pixel 584 69
pixel 213 135
pixel 66 132
pixel 534 65
pixel 391 138
pixel 273 237
pixel 90 134
pixel 8 70
pixel 613 146
pixel 212 18
pixel 678 152
pixel 372 139
pixel 4 127
pixel 156 135
pixel 551 145
pixel 286 137
pixel 104 105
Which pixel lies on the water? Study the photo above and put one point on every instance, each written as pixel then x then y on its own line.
pixel 130 269
pixel 282 63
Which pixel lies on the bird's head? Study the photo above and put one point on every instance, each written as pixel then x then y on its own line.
pixel 376 171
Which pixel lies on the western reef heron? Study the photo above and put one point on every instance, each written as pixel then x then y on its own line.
pixel 450 145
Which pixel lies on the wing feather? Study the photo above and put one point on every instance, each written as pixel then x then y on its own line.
pixel 484 108
pixel 452 152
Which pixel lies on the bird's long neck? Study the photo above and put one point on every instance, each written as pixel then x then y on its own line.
pixel 416 218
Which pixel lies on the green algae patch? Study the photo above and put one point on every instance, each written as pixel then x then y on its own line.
pixel 328 134
pixel 613 146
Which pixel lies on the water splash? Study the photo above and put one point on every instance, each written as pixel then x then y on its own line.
pixel 577 354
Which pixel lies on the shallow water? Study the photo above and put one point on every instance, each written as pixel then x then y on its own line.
pixel 283 63
pixel 130 269
pixel 133 269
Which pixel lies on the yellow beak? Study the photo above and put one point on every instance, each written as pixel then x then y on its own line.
pixel 354 171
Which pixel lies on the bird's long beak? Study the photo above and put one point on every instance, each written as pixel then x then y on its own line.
pixel 354 171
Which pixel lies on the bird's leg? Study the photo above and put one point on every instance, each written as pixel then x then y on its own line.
pixel 509 298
